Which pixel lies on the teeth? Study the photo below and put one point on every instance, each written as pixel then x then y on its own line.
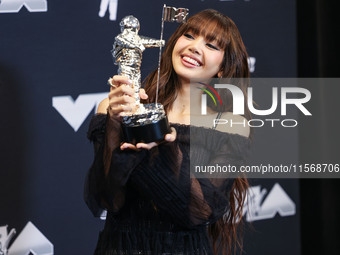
pixel 192 61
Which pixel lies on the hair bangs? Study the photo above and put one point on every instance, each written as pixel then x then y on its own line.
pixel 212 29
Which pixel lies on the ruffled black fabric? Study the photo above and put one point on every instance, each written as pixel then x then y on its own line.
pixel 154 204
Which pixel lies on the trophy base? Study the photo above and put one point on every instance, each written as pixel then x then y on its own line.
pixel 148 127
pixel 148 133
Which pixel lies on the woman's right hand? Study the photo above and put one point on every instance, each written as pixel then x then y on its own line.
pixel 121 101
pixel 121 98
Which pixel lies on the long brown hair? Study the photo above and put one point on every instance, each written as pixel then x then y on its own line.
pixel 212 25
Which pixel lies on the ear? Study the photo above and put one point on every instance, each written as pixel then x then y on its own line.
pixel 219 74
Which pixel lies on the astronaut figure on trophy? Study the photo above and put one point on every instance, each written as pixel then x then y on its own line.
pixel 146 122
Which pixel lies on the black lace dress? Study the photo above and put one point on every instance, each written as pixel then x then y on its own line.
pixel 153 205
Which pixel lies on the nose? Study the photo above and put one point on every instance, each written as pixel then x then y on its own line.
pixel 195 46
pixel 194 50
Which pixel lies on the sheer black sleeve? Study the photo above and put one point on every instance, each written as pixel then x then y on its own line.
pixel 106 179
pixel 165 178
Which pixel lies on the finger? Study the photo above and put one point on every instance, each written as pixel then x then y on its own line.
pixel 118 80
pixel 171 137
pixel 121 90
pixel 120 110
pixel 142 94
pixel 125 99
pixel 146 146
pixel 128 146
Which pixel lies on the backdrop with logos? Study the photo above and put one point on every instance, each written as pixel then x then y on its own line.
pixel 54 64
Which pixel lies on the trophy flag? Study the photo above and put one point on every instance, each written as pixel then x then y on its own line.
pixel 173 14
pixel 170 14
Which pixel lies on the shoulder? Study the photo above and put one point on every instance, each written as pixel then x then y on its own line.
pixel 102 107
pixel 234 124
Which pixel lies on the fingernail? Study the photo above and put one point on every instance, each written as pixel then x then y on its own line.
pixel 168 138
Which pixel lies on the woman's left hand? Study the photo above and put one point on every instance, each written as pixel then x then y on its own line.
pixel 168 138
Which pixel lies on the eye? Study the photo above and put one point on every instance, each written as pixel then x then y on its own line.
pixel 212 46
pixel 189 36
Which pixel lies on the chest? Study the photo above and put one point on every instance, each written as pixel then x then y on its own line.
pixel 192 119
pixel 181 118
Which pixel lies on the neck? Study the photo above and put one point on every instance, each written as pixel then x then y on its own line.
pixel 182 102
pixel 189 93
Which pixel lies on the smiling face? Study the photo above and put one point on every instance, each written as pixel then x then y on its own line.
pixel 194 57
pixel 187 56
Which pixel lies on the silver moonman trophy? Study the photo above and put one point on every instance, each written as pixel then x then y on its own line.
pixel 146 122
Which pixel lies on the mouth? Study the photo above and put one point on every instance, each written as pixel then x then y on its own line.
pixel 189 60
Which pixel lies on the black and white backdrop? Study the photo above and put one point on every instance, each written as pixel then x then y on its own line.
pixel 54 63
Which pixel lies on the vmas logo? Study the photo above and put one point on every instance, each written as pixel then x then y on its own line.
pixel 29 242
pixel 258 206
pixel 13 6
pixel 76 111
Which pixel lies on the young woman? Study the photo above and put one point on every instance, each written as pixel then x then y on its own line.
pixel 154 205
